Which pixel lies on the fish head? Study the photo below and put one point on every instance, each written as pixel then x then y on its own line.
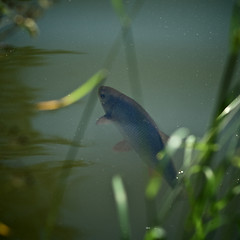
pixel 118 107
pixel 108 98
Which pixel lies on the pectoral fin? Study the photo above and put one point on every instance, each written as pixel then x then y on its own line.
pixel 122 146
pixel 103 120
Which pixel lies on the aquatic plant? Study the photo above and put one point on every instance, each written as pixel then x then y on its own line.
pixel 209 179
pixel 21 14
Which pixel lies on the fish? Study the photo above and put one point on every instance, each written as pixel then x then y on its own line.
pixel 139 131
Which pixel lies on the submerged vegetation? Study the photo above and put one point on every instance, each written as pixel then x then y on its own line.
pixel 17 14
pixel 209 179
pixel 210 183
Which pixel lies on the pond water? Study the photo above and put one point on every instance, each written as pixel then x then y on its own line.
pixel 181 49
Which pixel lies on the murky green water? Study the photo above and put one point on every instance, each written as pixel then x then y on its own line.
pixel 181 49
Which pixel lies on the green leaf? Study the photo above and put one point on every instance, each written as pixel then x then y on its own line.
pixel 122 206
pixel 156 233
pixel 120 10
pixel 235 28
pixel 153 187
pixel 76 95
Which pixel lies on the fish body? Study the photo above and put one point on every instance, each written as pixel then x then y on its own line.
pixel 139 130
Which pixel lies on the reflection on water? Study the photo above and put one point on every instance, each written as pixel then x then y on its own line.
pixel 26 191
pixel 18 138
pixel 16 57
pixel 17 134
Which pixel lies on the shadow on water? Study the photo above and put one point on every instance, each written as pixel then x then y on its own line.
pixel 26 189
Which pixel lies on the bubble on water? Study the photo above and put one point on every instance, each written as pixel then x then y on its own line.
pixel 180 172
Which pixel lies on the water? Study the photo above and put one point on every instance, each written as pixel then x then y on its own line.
pixel 181 50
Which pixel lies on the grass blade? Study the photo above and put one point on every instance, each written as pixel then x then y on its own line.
pixel 122 206
pixel 76 95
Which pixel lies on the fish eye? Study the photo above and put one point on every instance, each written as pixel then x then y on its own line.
pixel 102 95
